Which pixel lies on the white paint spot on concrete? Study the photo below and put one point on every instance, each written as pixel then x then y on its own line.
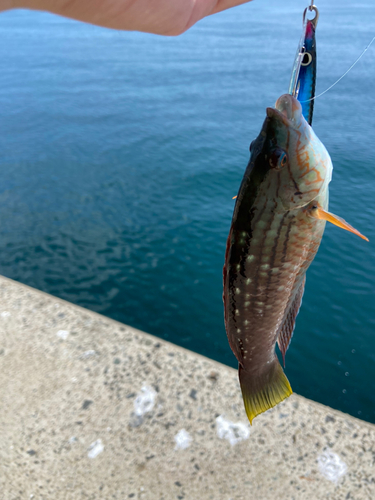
pixel 331 466
pixel 72 440
pixel 63 334
pixel 145 400
pixel 182 439
pixel 95 448
pixel 232 432
pixel 5 314
pixel 88 354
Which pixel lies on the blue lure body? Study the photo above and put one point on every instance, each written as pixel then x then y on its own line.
pixel 302 83
pixel 307 74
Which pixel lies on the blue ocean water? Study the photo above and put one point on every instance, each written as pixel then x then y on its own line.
pixel 120 154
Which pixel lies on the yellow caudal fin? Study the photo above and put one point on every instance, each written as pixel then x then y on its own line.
pixel 264 391
pixel 319 213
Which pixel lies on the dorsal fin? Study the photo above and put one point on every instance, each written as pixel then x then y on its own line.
pixel 287 328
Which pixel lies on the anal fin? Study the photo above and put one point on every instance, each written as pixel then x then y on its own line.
pixel 287 327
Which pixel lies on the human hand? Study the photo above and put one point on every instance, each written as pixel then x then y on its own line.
pixel 162 17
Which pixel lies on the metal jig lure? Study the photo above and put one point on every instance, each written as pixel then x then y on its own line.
pixel 303 79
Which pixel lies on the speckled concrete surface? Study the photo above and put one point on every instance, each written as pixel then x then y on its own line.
pixel 93 409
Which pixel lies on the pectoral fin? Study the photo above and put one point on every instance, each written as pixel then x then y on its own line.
pixel 319 213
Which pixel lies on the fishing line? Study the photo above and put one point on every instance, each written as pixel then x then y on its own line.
pixel 341 77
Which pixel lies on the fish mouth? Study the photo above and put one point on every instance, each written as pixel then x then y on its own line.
pixel 287 110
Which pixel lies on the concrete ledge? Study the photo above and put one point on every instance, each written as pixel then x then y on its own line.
pixel 93 409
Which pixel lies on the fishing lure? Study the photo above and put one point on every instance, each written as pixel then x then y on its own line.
pixel 303 79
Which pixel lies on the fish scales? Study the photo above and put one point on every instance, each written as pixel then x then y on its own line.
pixel 264 275
pixel 272 241
pixel 277 226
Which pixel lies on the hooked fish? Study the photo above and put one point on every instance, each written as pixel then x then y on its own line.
pixel 277 226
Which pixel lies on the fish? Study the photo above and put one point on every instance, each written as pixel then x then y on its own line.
pixel 303 79
pixel 278 222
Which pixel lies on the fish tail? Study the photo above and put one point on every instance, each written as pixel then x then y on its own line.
pixel 264 391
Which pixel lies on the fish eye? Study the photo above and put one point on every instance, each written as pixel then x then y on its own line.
pixel 278 159
pixel 251 145
pixel 283 159
pixel 307 58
